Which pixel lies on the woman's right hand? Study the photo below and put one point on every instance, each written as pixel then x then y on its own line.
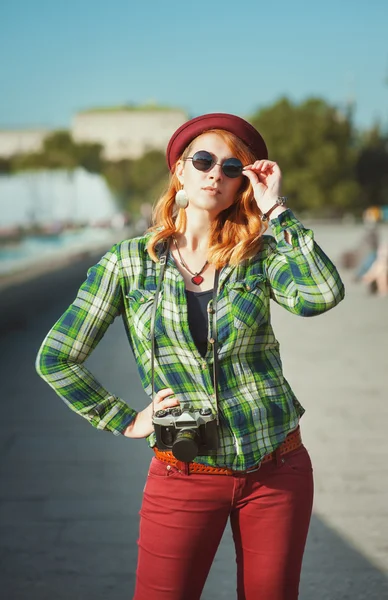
pixel 142 425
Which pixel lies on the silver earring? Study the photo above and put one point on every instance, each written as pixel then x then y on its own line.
pixel 181 199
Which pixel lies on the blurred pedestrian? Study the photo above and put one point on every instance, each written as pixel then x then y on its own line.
pixel 194 293
pixel 367 249
pixel 376 277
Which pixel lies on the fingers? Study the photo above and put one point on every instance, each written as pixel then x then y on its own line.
pixel 162 394
pixel 263 175
pixel 260 171
pixel 261 166
pixel 251 175
pixel 165 399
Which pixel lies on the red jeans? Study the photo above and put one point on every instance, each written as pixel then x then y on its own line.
pixel 183 518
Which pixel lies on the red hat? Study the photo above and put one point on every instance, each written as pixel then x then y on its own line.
pixel 193 128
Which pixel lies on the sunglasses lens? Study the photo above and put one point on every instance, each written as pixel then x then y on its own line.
pixel 202 160
pixel 232 168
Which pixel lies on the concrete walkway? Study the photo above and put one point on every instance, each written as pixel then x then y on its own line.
pixel 70 495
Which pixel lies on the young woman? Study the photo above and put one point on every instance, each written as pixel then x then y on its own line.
pixel 194 293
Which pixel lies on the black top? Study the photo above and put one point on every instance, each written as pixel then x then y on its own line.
pixel 198 317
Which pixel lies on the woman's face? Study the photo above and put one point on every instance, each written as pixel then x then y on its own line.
pixel 212 190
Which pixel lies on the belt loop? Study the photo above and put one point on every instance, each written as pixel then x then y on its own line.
pixel 278 457
pixel 183 467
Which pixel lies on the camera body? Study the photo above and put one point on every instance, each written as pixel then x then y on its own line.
pixel 186 432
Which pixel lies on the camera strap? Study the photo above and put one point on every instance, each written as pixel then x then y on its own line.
pixel 215 339
pixel 163 262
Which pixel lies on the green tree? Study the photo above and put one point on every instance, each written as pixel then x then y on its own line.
pixel 89 156
pixel 28 162
pixel 149 173
pixel 5 165
pixel 372 168
pixel 61 152
pixel 118 178
pixel 137 181
pixel 314 145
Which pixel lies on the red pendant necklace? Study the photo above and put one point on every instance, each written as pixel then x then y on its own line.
pixel 197 278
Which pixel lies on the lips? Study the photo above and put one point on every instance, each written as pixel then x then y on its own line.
pixel 212 189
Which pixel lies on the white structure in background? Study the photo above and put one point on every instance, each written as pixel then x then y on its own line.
pixel 127 132
pixel 54 197
pixel 21 141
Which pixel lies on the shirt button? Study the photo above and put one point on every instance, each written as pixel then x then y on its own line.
pixel 212 340
pixel 141 299
pixel 168 467
pixel 210 310
pixel 204 365
pixel 248 287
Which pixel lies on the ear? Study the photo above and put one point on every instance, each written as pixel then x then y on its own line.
pixel 179 171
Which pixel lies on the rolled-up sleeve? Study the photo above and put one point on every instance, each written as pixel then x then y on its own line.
pixel 72 339
pixel 302 278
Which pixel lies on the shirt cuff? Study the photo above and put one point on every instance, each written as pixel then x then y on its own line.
pixel 115 423
pixel 298 252
pixel 127 420
pixel 285 221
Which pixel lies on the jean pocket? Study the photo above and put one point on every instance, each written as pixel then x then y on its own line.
pixel 298 461
pixel 159 469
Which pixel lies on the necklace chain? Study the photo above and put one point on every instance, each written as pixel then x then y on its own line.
pixel 184 265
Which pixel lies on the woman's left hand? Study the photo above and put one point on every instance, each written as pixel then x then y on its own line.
pixel 266 178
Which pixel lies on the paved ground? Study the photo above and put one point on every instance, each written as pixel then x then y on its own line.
pixel 70 495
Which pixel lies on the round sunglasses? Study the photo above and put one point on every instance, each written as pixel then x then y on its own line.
pixel 204 161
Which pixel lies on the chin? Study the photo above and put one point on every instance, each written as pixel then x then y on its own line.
pixel 207 203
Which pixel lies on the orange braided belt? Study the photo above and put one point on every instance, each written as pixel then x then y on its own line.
pixel 292 442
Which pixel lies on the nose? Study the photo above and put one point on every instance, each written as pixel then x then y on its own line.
pixel 216 172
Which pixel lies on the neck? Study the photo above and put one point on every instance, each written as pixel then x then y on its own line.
pixel 196 235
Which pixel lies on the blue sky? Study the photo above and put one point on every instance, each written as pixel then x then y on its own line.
pixel 60 56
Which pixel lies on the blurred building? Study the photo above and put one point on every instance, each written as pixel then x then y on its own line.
pixel 23 141
pixel 127 132
pixel 124 132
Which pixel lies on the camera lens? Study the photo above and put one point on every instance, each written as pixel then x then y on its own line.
pixel 185 447
pixel 205 412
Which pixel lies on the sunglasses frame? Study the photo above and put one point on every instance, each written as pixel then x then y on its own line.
pixel 214 163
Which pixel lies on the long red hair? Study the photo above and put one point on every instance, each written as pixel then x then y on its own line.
pixel 235 233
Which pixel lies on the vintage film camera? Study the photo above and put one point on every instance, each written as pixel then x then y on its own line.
pixel 186 432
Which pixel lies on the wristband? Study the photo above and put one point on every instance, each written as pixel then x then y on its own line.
pixel 280 201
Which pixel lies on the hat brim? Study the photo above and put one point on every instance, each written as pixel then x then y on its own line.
pixel 187 132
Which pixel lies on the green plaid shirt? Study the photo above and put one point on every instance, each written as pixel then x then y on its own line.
pixel 257 408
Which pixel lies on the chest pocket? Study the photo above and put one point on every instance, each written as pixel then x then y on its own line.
pixel 140 304
pixel 249 301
